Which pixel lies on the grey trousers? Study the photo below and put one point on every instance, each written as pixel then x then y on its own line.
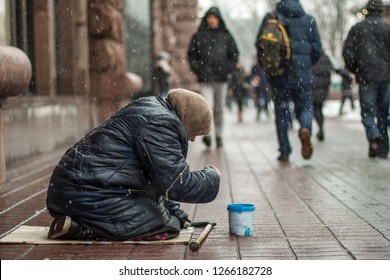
pixel 215 94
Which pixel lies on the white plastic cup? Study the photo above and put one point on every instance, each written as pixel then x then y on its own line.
pixel 241 219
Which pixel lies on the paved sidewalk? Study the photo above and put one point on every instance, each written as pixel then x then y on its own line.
pixel 333 206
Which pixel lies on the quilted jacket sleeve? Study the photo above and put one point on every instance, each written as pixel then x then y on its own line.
pixel 161 146
pixel 316 46
pixel 349 51
pixel 193 55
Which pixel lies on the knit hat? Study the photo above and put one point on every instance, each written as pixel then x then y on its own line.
pixel 193 111
pixel 374 5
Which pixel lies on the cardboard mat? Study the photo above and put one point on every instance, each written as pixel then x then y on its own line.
pixel 38 235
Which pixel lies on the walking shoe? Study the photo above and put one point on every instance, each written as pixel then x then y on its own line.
pixel 307 147
pixel 283 158
pixel 207 140
pixel 373 147
pixel 320 136
pixel 66 228
pixel 219 142
pixel 59 227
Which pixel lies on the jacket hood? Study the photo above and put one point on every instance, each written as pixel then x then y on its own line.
pixel 290 8
pixel 375 5
pixel 192 109
pixel 215 11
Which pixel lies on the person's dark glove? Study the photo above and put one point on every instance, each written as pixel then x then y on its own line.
pixel 185 222
pixel 175 210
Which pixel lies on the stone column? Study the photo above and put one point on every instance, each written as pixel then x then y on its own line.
pixel 74 47
pixel 2 154
pixel 44 48
pixel 82 41
pixel 15 75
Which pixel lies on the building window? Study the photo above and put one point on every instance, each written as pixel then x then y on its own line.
pixel 3 24
pixel 138 40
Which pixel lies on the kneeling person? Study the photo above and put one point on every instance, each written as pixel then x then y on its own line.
pixel 124 180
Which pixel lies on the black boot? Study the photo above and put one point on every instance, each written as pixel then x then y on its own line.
pixel 219 141
pixel 66 228
pixel 320 136
pixel 373 147
pixel 207 140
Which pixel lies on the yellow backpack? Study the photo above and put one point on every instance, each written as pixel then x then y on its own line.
pixel 274 47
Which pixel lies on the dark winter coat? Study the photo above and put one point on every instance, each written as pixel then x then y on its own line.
pixel 346 84
pixel 321 79
pixel 163 76
pixel 121 179
pixel 212 53
pixel 264 88
pixel 304 40
pixel 367 50
pixel 238 83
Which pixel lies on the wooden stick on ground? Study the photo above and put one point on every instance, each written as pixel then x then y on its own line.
pixel 194 245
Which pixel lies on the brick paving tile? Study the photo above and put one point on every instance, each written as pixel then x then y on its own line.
pixel 53 252
pixel 106 252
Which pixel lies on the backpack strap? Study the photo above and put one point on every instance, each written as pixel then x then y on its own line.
pixel 281 23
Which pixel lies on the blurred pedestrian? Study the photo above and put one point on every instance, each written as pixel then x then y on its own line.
pixel 346 88
pixel 367 55
pixel 295 84
pixel 124 179
pixel 239 87
pixel 163 73
pixel 213 55
pixel 320 87
pixel 261 89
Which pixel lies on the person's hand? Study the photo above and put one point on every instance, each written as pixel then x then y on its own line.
pixel 255 82
pixel 210 166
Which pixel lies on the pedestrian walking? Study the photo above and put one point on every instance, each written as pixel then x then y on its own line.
pixel 346 88
pixel 124 180
pixel 239 87
pixel 261 89
pixel 366 53
pixel 295 83
pixel 163 73
pixel 320 87
pixel 213 55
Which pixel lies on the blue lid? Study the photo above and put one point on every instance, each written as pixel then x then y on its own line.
pixel 241 207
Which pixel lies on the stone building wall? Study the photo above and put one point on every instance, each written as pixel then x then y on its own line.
pixel 174 23
pixel 110 83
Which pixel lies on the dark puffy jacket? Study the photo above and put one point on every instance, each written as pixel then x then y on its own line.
pixel 264 87
pixel 212 53
pixel 238 83
pixel 304 40
pixel 321 79
pixel 347 79
pixel 121 179
pixel 367 50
